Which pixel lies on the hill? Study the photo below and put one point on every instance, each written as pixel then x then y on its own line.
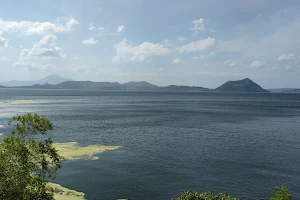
pixel 89 85
pixel 245 85
pixel 182 88
pixel 38 86
pixel 51 79
pixel 142 85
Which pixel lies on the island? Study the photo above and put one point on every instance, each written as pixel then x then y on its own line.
pixel 244 85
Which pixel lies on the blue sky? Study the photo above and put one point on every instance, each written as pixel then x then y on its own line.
pixel 193 42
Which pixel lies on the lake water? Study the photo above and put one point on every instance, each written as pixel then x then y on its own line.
pixel 239 143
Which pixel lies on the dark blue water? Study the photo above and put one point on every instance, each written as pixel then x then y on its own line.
pixel 243 144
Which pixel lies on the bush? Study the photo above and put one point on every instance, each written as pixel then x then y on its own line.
pixel 188 195
pixel 281 193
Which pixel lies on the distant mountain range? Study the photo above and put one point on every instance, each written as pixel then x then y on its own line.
pixel 183 88
pixel 142 85
pixel 57 82
pixel 51 79
pixel 285 90
pixel 132 86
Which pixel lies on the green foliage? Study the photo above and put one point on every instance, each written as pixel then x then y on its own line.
pixel 188 195
pixel 281 193
pixel 25 161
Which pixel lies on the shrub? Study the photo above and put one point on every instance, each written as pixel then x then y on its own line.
pixel 188 195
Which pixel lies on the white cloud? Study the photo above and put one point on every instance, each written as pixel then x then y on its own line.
pixel 92 27
pixel 217 74
pixel 197 46
pixel 253 42
pixel 4 59
pixel 46 47
pixel 232 63
pixel 286 57
pixel 198 25
pixel 120 28
pixel 77 57
pixel 160 69
pixel 167 42
pixel 82 68
pixel 140 53
pixel 207 56
pixel 294 69
pixel 101 31
pixel 90 41
pixel 36 28
pixel 235 45
pixel 176 61
pixel 3 42
pixel 182 39
pixel 111 72
pixel 196 58
pixel 257 64
pixel 31 65
pixel 26 64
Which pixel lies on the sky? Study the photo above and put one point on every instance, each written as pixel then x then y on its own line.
pixel 192 42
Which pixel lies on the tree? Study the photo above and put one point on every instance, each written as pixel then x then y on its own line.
pixel 281 193
pixel 27 161
pixel 188 195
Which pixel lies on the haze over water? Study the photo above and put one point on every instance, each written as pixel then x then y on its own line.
pixel 240 143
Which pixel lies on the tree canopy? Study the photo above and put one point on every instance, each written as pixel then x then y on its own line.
pixel 26 160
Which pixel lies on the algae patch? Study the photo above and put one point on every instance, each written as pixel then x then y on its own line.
pixel 62 193
pixel 16 102
pixel 71 150
pixel 6 114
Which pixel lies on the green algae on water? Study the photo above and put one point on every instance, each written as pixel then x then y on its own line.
pixel 71 150
pixel 62 193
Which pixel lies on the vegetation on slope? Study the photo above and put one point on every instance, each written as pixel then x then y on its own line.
pixel 281 193
pixel 188 195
